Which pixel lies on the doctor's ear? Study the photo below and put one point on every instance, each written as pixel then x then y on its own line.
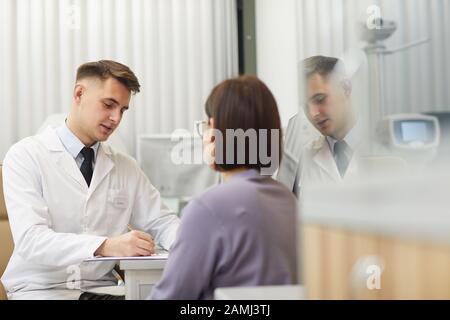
pixel 78 92
pixel 347 87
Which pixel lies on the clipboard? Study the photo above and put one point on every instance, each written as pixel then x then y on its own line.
pixel 161 255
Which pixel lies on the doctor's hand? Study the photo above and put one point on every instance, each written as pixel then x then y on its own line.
pixel 133 243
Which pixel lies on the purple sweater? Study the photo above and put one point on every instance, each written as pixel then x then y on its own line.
pixel 239 233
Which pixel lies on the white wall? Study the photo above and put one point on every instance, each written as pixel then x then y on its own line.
pixel 291 30
pixel 179 49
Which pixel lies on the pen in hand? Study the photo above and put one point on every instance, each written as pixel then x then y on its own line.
pixel 130 228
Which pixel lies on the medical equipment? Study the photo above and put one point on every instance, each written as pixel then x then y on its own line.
pixel 374 35
pixel 443 152
pixel 174 164
pixel 414 137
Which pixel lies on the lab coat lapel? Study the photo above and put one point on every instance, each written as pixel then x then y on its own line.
pixel 103 165
pixel 353 166
pixel 68 164
pixel 59 155
pixel 324 159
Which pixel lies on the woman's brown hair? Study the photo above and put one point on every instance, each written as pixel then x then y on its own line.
pixel 245 103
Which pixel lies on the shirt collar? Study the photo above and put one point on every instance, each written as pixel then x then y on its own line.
pixel 71 142
pixel 352 138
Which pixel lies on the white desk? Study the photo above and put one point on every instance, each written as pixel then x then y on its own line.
pixel 141 276
pixel 286 292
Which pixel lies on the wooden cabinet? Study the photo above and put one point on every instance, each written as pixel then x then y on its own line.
pixel 343 264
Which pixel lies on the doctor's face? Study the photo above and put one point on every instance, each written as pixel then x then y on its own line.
pixel 328 106
pixel 99 108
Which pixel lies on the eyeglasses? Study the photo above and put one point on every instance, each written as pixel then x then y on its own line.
pixel 201 126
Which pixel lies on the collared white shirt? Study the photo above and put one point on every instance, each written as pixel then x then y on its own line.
pixel 73 145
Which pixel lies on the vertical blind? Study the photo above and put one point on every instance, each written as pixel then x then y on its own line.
pixel 179 49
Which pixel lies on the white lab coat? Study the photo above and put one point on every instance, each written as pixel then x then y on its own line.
pixel 311 164
pixel 57 221
pixel 317 166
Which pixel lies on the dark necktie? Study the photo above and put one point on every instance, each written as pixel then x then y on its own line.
pixel 86 166
pixel 340 157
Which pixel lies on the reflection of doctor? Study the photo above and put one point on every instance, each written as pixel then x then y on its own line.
pixel 70 197
pixel 329 108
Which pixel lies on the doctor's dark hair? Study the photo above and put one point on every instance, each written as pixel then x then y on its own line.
pixel 321 65
pixel 245 103
pixel 105 69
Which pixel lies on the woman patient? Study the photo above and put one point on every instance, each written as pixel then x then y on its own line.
pixel 241 232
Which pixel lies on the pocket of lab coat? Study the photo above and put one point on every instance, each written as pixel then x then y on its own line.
pixel 117 204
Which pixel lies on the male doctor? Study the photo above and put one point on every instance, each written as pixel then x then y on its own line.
pixel 329 108
pixel 71 197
